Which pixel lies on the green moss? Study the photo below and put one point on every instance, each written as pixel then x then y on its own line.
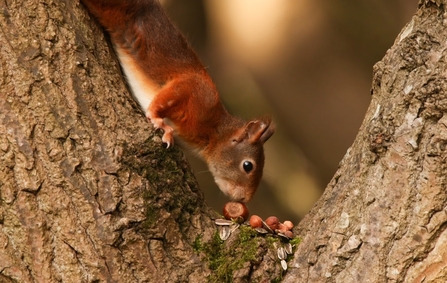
pixel 272 240
pixel 246 234
pixel 197 245
pixel 223 260
pixel 170 182
pixel 295 241
pixel 151 217
pixel 214 253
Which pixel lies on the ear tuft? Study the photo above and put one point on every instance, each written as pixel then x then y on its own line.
pixel 259 130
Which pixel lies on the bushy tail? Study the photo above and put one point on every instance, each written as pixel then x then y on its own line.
pixel 117 15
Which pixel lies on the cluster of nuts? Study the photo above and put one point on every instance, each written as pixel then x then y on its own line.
pixel 272 224
pixel 238 212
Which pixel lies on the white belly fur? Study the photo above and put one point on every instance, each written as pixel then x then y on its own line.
pixel 143 89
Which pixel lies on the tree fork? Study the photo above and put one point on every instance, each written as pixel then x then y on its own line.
pixel 88 193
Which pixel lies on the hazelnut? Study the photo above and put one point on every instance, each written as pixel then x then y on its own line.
pixel 236 211
pixel 288 224
pixel 289 234
pixel 255 221
pixel 272 222
pixel 282 227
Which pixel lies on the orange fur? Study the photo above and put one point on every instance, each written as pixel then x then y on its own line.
pixel 170 83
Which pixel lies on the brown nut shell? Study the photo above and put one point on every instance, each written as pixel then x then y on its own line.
pixel 288 224
pixel 282 227
pixel 289 234
pixel 255 221
pixel 272 222
pixel 236 211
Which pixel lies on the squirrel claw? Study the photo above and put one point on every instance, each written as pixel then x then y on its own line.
pixel 167 138
pixel 158 123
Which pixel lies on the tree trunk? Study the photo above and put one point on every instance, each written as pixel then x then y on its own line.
pixel 88 193
pixel 383 216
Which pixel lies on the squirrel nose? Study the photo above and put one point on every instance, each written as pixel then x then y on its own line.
pixel 239 198
pixel 245 199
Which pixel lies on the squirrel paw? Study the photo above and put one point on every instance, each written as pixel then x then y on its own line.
pixel 168 137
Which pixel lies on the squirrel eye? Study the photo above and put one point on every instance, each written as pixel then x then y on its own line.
pixel 248 166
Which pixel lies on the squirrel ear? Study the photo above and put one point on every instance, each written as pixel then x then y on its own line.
pixel 259 130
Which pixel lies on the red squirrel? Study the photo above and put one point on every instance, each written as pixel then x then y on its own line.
pixel 174 89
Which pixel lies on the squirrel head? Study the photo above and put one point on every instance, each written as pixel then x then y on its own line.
pixel 238 161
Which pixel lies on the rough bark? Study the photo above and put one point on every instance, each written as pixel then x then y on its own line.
pixel 87 191
pixel 383 216
pixel 89 194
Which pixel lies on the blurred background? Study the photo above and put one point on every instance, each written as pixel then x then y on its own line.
pixel 307 63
